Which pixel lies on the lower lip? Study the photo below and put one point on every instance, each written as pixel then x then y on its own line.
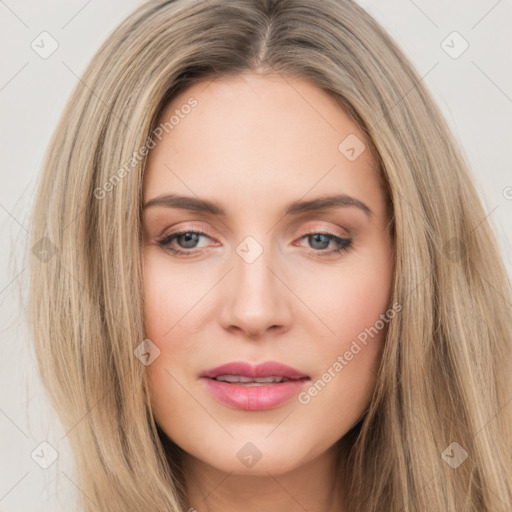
pixel 254 398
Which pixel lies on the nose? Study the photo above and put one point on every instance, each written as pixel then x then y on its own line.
pixel 256 299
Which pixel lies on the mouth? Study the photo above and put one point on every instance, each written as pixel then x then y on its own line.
pixel 241 380
pixel 254 388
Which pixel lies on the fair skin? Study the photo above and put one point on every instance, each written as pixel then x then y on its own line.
pixel 254 144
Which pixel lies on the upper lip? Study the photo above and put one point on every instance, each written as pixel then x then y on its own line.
pixel 242 368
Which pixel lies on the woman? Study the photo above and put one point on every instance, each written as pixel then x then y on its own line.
pixel 202 350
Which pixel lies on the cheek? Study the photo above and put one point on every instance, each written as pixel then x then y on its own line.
pixel 169 295
pixel 356 307
pixel 350 297
pixel 173 322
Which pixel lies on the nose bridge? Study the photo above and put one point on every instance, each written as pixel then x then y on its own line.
pixel 255 299
pixel 251 266
pixel 253 279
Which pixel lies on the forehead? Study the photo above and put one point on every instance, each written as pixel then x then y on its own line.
pixel 255 137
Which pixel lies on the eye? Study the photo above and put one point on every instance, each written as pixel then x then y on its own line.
pixel 320 240
pixel 187 241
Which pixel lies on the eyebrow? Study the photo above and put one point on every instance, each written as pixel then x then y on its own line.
pixel 205 206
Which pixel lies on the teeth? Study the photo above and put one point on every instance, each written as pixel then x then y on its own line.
pixel 249 380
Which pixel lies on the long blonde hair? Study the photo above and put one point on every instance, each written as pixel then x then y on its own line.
pixel 446 366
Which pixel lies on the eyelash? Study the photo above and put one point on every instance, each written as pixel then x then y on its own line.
pixel 344 244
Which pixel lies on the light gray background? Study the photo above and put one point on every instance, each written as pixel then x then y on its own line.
pixel 474 91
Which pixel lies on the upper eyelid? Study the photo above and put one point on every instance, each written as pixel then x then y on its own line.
pixel 182 231
pixel 345 231
pixel 186 229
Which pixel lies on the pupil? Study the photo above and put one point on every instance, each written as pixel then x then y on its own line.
pixel 189 238
pixel 316 238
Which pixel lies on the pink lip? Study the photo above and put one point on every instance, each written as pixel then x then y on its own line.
pixel 269 369
pixel 255 398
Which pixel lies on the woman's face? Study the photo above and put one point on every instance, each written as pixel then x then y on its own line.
pixel 267 274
